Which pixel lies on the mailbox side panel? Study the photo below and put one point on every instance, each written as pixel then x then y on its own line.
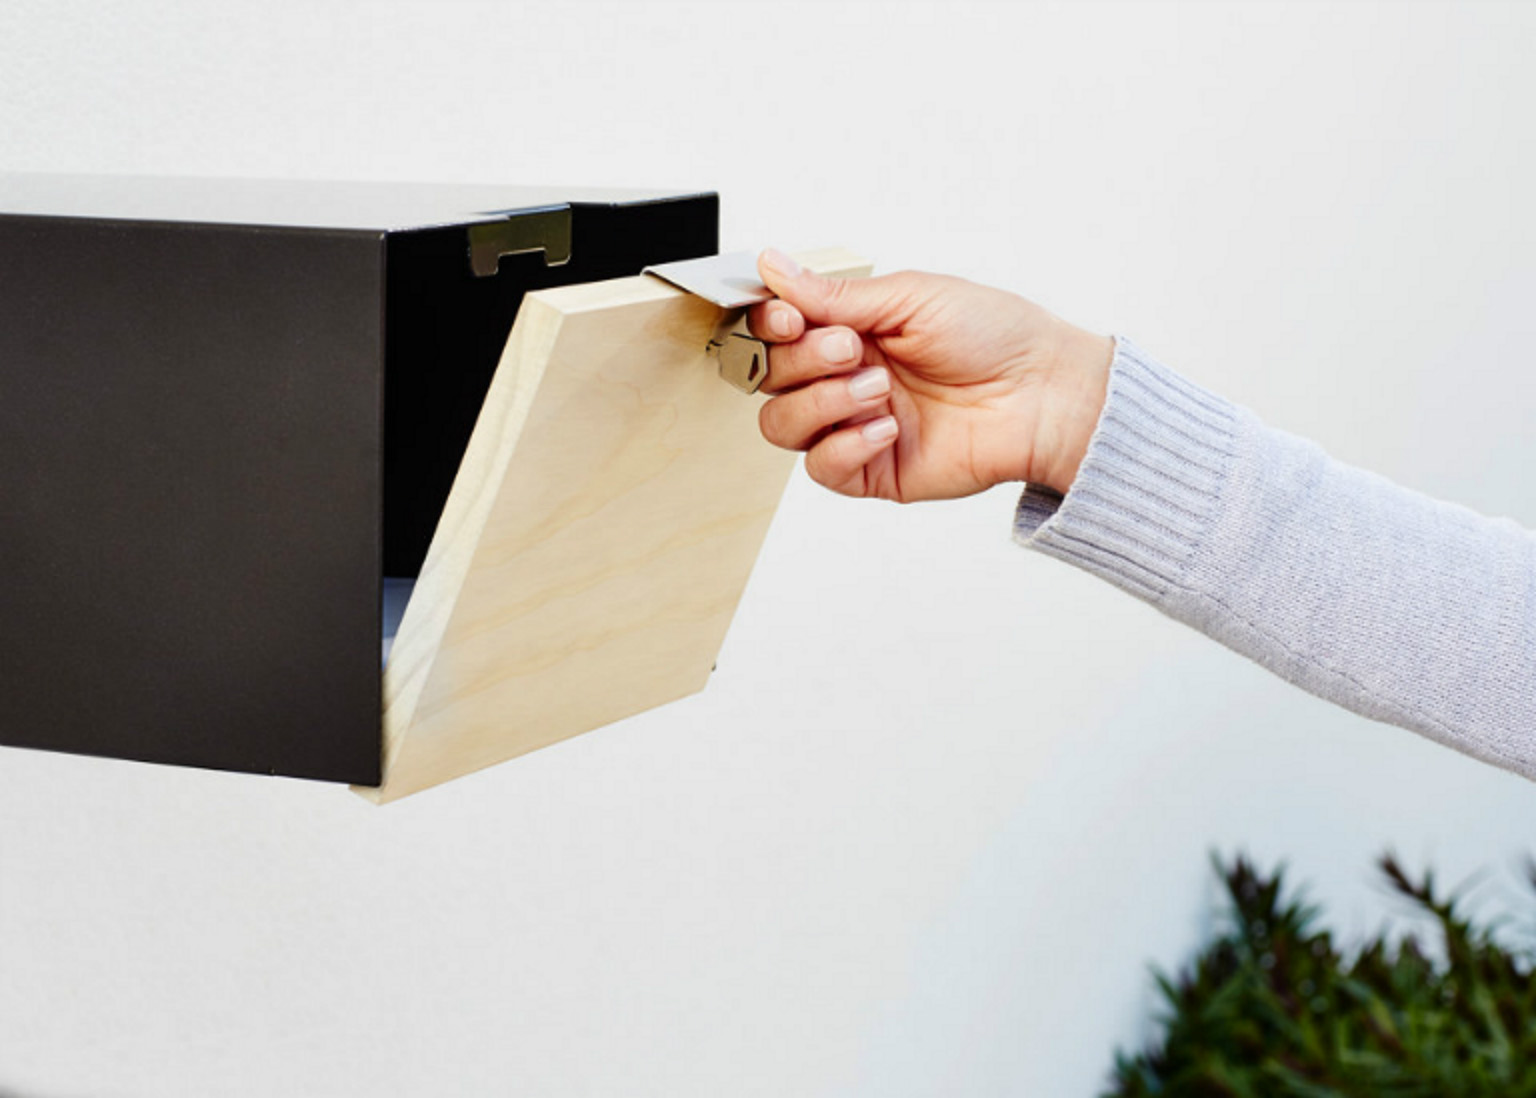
pixel 190 467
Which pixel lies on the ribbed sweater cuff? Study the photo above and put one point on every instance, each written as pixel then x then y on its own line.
pixel 1149 485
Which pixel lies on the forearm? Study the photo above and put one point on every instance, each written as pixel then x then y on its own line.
pixel 1399 607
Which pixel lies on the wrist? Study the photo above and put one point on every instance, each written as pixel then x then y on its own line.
pixel 1078 388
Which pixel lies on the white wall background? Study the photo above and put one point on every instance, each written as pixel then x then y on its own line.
pixel 943 801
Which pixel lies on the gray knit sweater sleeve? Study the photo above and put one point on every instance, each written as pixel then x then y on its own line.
pixel 1399 607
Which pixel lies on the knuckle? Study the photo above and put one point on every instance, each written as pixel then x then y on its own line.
pixel 831 457
pixel 769 423
pixel 834 293
pixel 818 465
pixel 826 402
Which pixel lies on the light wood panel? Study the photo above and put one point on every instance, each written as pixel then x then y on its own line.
pixel 612 501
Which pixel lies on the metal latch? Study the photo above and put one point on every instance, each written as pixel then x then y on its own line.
pixel 729 281
pixel 547 230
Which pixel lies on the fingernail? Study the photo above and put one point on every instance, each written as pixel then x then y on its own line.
pixel 778 323
pixel 838 347
pixel 778 261
pixel 878 430
pixel 870 383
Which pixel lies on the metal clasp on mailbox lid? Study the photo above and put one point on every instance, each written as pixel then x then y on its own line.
pixel 729 281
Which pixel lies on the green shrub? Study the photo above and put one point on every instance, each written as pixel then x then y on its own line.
pixel 1273 1007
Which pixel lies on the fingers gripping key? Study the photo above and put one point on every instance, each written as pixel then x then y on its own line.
pixel 729 281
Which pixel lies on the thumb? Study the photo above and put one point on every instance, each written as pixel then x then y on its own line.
pixel 863 304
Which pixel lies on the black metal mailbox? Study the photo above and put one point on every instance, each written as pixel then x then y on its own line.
pixel 228 409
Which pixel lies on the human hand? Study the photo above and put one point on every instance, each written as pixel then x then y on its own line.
pixel 916 386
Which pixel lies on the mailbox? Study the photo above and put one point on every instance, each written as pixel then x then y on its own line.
pixel 231 416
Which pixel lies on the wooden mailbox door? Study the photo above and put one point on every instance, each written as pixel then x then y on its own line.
pixel 602 526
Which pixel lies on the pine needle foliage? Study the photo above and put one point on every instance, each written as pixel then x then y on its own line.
pixel 1272 1007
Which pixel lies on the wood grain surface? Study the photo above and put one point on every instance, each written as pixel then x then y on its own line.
pixel 611 503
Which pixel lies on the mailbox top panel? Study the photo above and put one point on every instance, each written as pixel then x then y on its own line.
pixel 364 207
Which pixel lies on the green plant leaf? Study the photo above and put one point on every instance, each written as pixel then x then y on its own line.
pixel 1271 1008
